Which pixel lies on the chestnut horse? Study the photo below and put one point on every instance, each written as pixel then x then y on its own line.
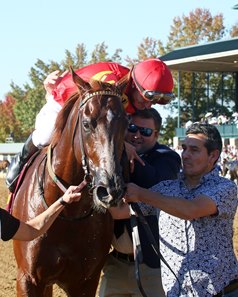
pixel 87 145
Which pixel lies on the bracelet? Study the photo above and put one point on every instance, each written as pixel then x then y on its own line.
pixel 61 201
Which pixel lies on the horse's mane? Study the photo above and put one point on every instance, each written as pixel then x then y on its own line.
pixel 62 117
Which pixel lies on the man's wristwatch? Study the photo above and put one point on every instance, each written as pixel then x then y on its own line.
pixel 61 201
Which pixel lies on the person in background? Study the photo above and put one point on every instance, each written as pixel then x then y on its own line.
pixel 160 163
pixel 151 82
pixel 196 214
pixel 12 228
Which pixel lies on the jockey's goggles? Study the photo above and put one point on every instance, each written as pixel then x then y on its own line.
pixel 147 132
pixel 155 96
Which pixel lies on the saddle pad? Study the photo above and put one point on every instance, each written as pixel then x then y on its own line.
pixel 20 178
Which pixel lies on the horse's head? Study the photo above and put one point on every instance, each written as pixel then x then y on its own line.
pixel 102 126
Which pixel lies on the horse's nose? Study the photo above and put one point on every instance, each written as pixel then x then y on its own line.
pixel 108 196
pixel 101 193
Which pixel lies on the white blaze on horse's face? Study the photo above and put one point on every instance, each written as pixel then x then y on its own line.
pixel 109 116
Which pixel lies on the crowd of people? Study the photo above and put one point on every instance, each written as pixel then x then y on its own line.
pixel 217 120
pixel 229 153
pixel 190 208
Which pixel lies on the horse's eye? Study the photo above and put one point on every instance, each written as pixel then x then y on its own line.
pixel 86 125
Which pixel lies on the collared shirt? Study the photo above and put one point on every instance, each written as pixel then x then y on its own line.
pixel 200 251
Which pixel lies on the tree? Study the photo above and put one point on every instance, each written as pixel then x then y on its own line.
pixel 28 100
pixel 78 60
pixel 8 121
pixel 234 31
pixel 100 53
pixel 198 27
pixel 167 131
pixel 31 97
pixel 148 48
pixel 116 57
pixel 199 91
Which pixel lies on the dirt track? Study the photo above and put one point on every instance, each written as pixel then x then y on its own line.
pixel 8 265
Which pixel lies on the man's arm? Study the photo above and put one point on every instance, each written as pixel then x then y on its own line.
pixel 201 206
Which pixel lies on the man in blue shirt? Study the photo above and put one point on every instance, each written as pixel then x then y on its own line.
pixel 196 214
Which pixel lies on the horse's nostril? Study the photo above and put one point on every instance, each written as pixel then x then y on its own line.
pixel 101 192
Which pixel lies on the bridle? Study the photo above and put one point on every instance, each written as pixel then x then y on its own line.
pixel 88 179
pixel 88 96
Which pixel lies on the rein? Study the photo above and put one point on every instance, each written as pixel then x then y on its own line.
pixel 51 172
pixel 136 214
pixel 54 176
pixel 62 187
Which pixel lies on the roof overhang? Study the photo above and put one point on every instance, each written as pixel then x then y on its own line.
pixel 219 56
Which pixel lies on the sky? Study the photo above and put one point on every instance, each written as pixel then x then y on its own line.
pixel 45 29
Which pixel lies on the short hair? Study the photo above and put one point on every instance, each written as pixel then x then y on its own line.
pixel 150 113
pixel 213 141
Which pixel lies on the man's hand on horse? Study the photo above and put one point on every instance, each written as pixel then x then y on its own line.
pixel 132 155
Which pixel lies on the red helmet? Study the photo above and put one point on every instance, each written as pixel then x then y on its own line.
pixel 154 81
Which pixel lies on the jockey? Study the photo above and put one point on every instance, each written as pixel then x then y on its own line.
pixel 151 82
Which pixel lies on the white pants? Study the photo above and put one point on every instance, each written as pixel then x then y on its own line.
pixel 45 122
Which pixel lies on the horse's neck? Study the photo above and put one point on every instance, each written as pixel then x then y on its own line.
pixel 66 165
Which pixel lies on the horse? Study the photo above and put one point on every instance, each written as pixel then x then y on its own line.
pixel 231 168
pixel 4 165
pixel 87 147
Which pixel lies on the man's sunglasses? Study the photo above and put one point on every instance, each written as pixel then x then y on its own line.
pixel 147 132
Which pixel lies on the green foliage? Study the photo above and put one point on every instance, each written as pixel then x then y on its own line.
pixel 167 131
pixel 201 92
pixel 77 60
pixel 6 117
pixel 28 100
pixel 234 31
pixel 198 27
pixel 150 48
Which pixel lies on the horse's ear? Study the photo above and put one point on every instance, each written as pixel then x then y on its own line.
pixel 80 83
pixel 123 83
pixel 95 84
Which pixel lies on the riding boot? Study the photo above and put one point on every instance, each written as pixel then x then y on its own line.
pixel 18 162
